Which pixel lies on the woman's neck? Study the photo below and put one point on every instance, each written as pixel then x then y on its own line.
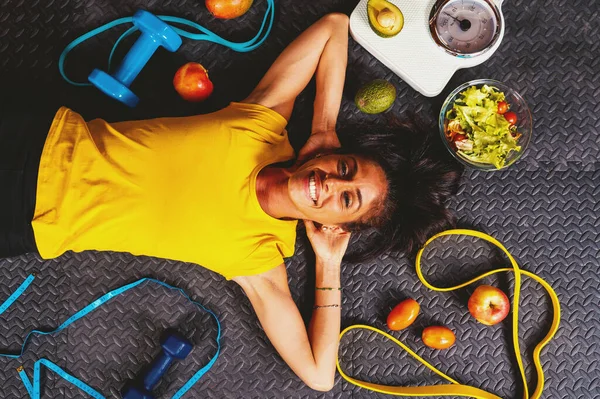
pixel 272 193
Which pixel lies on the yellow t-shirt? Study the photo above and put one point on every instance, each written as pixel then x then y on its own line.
pixel 174 188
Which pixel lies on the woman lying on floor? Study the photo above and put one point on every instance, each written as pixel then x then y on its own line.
pixel 208 189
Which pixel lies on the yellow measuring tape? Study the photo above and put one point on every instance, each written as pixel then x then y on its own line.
pixel 455 388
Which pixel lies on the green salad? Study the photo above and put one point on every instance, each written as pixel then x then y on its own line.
pixel 481 128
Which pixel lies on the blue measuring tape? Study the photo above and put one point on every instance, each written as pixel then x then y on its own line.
pixel 11 299
pixel 206 35
pixel 33 386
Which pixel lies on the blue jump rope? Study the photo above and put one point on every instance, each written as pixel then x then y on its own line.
pixel 155 33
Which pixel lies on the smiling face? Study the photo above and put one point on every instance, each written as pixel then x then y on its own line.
pixel 337 189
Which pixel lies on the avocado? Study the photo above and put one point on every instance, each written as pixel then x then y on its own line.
pixel 375 97
pixel 385 18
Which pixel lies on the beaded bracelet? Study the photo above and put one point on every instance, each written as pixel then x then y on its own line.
pixel 326 306
pixel 328 288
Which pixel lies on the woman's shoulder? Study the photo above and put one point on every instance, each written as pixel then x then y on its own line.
pixel 266 123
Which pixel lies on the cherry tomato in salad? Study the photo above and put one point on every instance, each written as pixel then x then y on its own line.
pixel 403 315
pixel 511 117
pixel 459 137
pixel 438 337
pixel 502 107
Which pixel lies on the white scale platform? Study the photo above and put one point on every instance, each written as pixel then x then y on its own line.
pixel 412 54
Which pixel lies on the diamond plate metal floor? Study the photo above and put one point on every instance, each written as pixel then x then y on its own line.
pixel 545 209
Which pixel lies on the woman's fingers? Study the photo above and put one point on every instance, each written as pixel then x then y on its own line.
pixel 312 227
pixel 334 229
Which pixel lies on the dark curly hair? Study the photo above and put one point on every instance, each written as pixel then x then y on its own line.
pixel 421 176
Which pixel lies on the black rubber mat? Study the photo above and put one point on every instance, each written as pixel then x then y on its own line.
pixel 545 209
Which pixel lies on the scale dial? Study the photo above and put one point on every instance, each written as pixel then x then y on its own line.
pixel 465 28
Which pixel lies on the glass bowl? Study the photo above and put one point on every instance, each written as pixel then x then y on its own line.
pixel 516 104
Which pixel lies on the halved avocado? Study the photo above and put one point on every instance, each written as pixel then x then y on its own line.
pixel 385 18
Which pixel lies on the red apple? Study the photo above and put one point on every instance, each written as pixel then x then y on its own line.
pixel 228 9
pixel 192 83
pixel 489 305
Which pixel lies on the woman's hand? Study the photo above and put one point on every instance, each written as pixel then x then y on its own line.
pixel 329 243
pixel 319 142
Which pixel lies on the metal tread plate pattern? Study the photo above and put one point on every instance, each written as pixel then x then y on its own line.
pixel 545 209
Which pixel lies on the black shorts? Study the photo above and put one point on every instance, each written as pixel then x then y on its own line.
pixel 22 137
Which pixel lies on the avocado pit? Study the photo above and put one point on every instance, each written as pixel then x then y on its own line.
pixel 386 18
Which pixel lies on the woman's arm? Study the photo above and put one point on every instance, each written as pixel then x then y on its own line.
pixel 322 50
pixel 310 354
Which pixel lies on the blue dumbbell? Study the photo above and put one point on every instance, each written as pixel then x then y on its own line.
pixel 155 33
pixel 174 347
